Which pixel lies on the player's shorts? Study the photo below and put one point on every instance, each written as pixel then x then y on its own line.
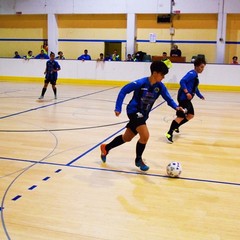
pixel 51 79
pixel 135 120
pixel 186 104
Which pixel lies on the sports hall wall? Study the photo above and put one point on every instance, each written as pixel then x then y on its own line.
pixel 194 34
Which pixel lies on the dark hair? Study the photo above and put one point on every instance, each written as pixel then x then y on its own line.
pixel 159 67
pixel 198 61
pixel 164 53
pixel 235 57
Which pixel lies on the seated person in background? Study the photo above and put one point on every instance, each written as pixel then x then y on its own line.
pixel 16 55
pixel 175 52
pixel 85 56
pixel 234 60
pixel 42 55
pixel 101 57
pixel 115 56
pixel 107 58
pixel 166 60
pixel 60 55
pixel 44 47
pixel 29 55
pixel 129 58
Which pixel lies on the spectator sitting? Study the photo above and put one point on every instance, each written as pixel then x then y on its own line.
pixel 44 47
pixel 166 60
pixel 129 58
pixel 175 52
pixel 107 58
pixel 234 60
pixel 42 55
pixel 115 56
pixel 29 55
pixel 101 57
pixel 16 55
pixel 85 56
pixel 60 55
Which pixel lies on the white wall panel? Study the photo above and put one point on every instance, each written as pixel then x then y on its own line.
pixel 214 74
pixel 196 6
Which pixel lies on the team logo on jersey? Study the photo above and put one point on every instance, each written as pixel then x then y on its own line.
pixel 156 90
pixel 139 115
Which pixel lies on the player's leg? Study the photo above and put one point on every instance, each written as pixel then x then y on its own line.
pixel 189 115
pixel 53 83
pixel 173 127
pixel 44 89
pixel 140 146
pixel 117 141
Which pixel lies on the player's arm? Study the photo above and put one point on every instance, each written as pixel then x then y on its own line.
pixel 199 94
pixel 57 67
pixel 184 82
pixel 167 97
pixel 122 94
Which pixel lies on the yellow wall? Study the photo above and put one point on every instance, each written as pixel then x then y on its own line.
pixel 22 27
pixel 233 34
pixel 188 27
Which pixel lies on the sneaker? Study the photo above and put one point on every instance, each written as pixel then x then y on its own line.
pixel 169 138
pixel 41 97
pixel 103 152
pixel 139 163
pixel 176 130
pixel 55 97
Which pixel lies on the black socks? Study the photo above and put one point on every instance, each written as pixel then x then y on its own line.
pixel 139 149
pixel 114 143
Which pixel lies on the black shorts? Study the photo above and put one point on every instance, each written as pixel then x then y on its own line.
pixel 135 120
pixel 51 79
pixel 186 104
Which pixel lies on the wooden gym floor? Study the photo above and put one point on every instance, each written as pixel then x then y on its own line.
pixel 54 186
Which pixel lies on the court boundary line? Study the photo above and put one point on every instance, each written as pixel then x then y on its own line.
pixel 123 171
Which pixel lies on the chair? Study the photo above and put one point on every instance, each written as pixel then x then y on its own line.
pixel 147 58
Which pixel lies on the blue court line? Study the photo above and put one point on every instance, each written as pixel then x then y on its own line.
pixel 16 198
pixel 89 150
pixel 46 178
pixel 125 172
pixel 51 104
pixel 32 187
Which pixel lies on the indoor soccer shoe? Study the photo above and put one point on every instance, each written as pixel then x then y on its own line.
pixel 103 152
pixel 139 163
pixel 169 138
pixel 41 97
pixel 176 130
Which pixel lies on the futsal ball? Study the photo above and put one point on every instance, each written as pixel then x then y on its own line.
pixel 174 169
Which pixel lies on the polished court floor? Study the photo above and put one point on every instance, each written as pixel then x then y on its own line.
pixel 53 184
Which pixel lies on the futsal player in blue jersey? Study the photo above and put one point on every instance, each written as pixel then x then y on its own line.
pixel 51 75
pixel 145 92
pixel 188 88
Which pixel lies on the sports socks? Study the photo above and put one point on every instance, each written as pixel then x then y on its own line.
pixel 139 149
pixel 55 91
pixel 117 141
pixel 43 91
pixel 173 126
pixel 183 121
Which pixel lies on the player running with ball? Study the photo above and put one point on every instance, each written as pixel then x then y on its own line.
pixel 145 92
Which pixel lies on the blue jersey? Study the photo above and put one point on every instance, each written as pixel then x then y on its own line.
pixel 50 66
pixel 190 82
pixel 84 57
pixel 144 96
